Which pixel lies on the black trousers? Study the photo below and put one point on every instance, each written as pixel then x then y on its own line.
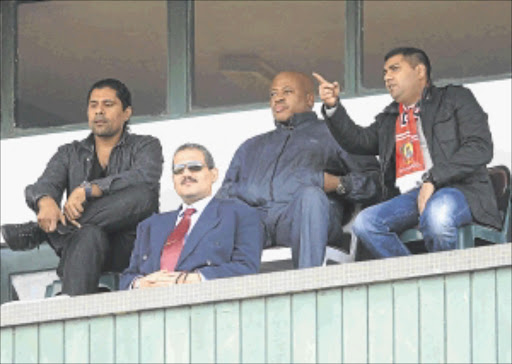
pixel 105 240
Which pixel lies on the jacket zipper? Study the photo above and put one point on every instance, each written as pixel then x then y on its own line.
pixel 275 167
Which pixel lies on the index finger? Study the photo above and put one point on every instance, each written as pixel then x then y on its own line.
pixel 319 78
pixel 76 223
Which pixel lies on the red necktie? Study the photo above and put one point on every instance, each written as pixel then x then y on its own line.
pixel 174 244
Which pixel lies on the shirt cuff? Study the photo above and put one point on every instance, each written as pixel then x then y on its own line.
pixel 329 111
pixel 133 282
pixel 201 277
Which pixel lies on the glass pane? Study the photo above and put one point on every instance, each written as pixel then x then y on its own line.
pixel 462 38
pixel 241 45
pixel 65 46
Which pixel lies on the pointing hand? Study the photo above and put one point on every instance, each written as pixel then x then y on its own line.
pixel 329 92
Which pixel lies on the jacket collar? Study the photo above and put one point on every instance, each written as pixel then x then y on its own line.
pixel 426 96
pixel 89 141
pixel 297 120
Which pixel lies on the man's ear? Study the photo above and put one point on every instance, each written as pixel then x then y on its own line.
pixel 422 70
pixel 128 113
pixel 215 175
pixel 310 98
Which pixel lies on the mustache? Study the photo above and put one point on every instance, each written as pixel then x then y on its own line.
pixel 187 179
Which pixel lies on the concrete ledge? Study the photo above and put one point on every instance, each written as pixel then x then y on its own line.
pixel 261 285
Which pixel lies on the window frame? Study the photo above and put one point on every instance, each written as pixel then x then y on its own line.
pixel 180 66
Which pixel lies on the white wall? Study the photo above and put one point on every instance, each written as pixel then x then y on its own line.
pixel 23 159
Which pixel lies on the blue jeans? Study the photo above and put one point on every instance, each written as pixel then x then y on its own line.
pixel 378 226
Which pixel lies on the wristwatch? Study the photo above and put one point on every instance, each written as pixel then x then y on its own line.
pixel 340 190
pixel 428 177
pixel 88 190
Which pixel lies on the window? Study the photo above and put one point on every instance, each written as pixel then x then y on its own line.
pixel 463 39
pixel 65 46
pixel 182 55
pixel 239 46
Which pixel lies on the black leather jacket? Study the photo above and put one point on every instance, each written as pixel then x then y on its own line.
pixel 458 138
pixel 136 159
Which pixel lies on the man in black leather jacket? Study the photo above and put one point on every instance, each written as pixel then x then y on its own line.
pixel 433 145
pixel 111 179
pixel 298 177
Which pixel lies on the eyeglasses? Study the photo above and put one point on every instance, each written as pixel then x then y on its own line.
pixel 192 166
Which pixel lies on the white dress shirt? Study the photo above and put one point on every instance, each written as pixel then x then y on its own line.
pixel 199 206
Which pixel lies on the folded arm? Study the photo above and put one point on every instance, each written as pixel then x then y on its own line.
pixel 146 168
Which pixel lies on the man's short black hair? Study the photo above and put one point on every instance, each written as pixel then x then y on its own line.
pixel 413 55
pixel 122 92
pixel 207 155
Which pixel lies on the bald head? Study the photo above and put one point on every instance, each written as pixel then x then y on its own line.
pixel 291 93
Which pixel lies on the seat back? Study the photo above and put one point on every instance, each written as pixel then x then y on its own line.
pixel 500 178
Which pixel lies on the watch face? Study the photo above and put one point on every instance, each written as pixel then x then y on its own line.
pixel 340 190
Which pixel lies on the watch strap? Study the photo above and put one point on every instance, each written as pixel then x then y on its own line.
pixel 88 190
pixel 340 189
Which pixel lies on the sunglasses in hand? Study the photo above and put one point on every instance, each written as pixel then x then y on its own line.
pixel 192 166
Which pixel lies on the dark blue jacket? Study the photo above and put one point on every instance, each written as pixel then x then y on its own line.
pixel 225 241
pixel 268 169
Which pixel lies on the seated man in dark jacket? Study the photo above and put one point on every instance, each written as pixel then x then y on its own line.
pixel 206 238
pixel 433 144
pixel 298 177
pixel 111 179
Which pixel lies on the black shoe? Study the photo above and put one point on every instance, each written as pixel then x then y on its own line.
pixel 23 236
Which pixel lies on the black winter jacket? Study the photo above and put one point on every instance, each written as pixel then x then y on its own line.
pixel 458 138
pixel 136 159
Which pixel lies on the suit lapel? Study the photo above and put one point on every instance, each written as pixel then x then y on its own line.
pixel 207 221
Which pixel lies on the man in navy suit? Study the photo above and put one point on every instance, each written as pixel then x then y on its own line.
pixel 206 238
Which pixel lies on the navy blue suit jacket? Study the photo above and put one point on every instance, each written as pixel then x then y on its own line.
pixel 226 241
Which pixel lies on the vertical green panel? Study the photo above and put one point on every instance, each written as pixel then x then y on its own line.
pixel 406 317
pixel 355 324
pixel 177 335
pixel 458 329
pixel 127 338
pixel 278 329
pixel 253 330
pixel 228 332
pixel 202 343
pixel 76 345
pixel 304 327
pixel 504 304
pixel 51 342
pixel 329 326
pixel 380 323
pixel 152 349
pixel 26 344
pixel 102 332
pixel 6 345
pixel 432 340
pixel 483 299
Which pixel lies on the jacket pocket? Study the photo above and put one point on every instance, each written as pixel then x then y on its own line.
pixel 445 127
